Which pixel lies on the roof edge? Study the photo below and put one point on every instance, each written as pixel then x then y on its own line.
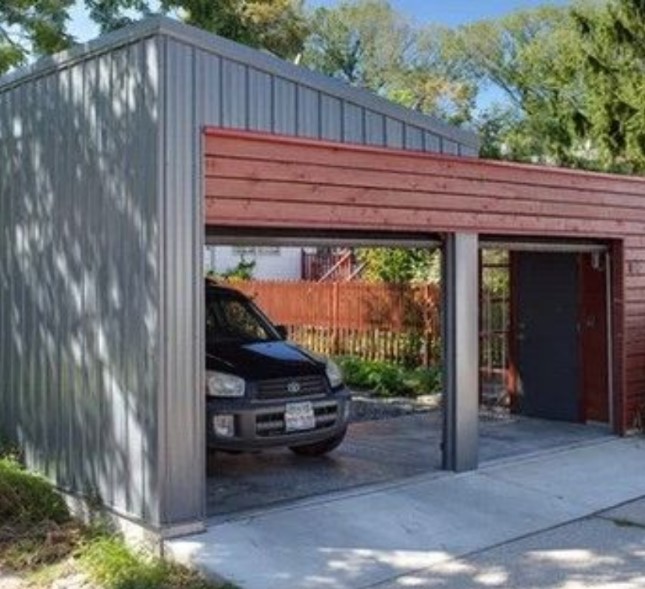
pixel 145 28
pixel 271 64
pixel 195 37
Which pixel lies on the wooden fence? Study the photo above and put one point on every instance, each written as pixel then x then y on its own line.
pixel 375 321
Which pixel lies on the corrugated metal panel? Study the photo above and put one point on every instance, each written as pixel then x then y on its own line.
pixel 353 123
pixel 208 71
pixel 284 107
pixel 260 101
pixel 235 99
pixel 308 112
pixel 468 151
pixel 78 274
pixel 394 133
pixel 331 118
pixel 432 142
pixel 374 128
pixel 450 147
pixel 413 138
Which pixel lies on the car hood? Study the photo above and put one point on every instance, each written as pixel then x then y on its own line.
pixel 264 360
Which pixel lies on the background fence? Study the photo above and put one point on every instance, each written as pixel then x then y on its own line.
pixel 376 321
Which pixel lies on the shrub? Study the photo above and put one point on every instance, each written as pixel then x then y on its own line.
pixel 389 379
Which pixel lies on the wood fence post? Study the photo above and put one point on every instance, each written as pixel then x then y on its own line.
pixel 335 319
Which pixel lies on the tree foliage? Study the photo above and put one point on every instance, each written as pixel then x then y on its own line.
pixel 31 28
pixel 369 44
pixel 613 48
pixel 399 265
pixel 278 26
pixel 533 58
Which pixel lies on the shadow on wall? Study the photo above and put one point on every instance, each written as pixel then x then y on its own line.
pixel 79 276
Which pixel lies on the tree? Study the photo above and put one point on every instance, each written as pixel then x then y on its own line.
pixel 613 48
pixel 369 44
pixel 399 265
pixel 31 27
pixel 279 26
pixel 534 59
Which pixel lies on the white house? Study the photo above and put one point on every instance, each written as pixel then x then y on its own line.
pixel 271 263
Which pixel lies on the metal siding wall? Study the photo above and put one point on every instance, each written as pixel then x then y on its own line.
pixel 78 275
pixel 308 112
pixel 433 142
pixel 182 410
pixel 206 89
pixel 374 128
pixel 413 138
pixel 331 122
pixel 284 107
pixel 353 123
pixel 234 92
pixel 260 100
pixel 394 133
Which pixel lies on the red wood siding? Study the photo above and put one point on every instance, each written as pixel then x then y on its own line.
pixel 264 181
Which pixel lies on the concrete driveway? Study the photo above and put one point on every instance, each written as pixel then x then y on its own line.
pixel 408 534
pixel 374 452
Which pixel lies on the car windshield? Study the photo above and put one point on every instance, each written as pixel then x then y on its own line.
pixel 231 318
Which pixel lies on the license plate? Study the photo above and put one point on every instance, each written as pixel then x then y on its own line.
pixel 299 417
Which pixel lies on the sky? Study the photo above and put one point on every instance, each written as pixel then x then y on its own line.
pixel 447 12
pixel 454 12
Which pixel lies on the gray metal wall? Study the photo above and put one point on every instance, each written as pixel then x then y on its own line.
pixel 221 84
pixel 79 273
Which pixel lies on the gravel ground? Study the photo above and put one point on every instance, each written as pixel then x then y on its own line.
pixel 367 407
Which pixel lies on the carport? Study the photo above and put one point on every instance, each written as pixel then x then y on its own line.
pixel 120 159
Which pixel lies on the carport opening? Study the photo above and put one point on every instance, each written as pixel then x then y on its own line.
pixel 545 339
pixel 369 303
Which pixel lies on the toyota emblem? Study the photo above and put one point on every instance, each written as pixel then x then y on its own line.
pixel 293 387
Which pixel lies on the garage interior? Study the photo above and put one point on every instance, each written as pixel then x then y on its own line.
pixel 536 331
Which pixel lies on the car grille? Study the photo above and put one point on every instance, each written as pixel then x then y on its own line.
pixel 272 424
pixel 279 388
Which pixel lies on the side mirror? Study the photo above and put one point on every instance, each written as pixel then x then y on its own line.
pixel 282 330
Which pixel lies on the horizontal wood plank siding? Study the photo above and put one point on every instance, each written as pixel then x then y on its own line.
pixel 253 180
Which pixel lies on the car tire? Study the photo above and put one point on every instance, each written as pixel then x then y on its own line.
pixel 320 448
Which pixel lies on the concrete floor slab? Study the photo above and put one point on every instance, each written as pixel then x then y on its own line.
pixel 362 539
pixel 373 452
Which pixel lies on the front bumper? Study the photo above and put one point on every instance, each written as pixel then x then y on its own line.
pixel 260 424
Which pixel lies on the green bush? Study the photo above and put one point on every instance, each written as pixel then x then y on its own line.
pixel 388 379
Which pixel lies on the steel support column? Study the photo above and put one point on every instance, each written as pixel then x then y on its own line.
pixel 460 351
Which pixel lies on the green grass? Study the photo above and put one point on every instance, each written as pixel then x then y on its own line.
pixel 40 541
pixel 111 564
pixel 387 379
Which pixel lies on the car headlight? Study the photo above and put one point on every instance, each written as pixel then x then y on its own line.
pixel 221 384
pixel 334 373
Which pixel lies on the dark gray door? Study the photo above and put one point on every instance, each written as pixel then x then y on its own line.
pixel 547 331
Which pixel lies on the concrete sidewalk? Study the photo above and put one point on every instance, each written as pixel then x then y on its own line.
pixel 383 534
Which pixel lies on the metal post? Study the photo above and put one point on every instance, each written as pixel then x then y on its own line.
pixel 461 352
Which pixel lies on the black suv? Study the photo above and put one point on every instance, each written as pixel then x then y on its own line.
pixel 263 391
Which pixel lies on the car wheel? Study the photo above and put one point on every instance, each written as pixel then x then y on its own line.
pixel 320 448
